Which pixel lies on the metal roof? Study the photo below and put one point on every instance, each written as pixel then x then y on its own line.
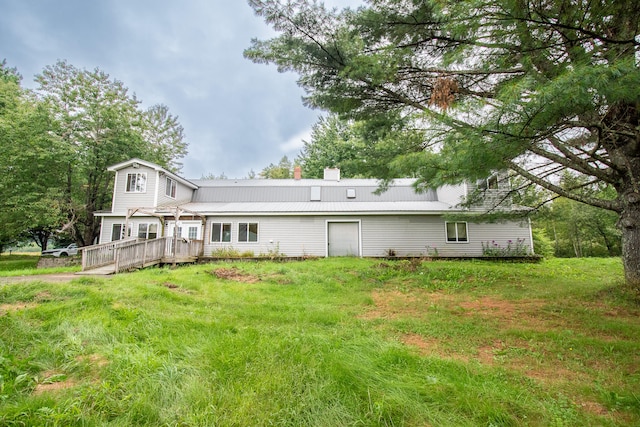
pixel 329 208
pixel 270 191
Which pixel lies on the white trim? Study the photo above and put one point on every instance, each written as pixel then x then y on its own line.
pixel 456 242
pixel 222 224
pixel 326 238
pixel 101 230
pixel 115 191
pixel 130 162
pixel 155 193
pixel 167 188
pixel 126 183
pixel 531 237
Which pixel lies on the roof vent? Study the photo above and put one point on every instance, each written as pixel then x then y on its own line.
pixel 332 174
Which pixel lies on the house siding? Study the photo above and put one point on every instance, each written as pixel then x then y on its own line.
pixel 183 193
pixel 108 222
pixel 123 200
pixel 290 222
pixel 405 235
pixel 292 236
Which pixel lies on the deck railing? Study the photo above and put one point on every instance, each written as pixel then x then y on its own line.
pixel 137 253
pixel 103 254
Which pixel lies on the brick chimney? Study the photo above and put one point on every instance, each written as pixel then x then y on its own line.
pixel 297 173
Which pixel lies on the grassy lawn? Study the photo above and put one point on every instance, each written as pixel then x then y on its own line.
pixel 26 265
pixel 328 342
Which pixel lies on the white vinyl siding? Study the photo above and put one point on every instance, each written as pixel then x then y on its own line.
pixel 170 188
pixel 407 235
pixel 124 200
pixel 180 191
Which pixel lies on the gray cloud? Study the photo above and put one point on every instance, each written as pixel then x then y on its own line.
pixel 237 115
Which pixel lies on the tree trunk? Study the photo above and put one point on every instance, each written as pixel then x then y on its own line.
pixel 630 225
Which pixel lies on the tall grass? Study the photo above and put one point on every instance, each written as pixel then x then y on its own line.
pixel 330 342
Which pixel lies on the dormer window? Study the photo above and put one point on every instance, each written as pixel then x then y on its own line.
pixel 136 183
pixel 170 188
pixel 492 182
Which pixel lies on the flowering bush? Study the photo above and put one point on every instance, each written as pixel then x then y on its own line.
pixel 513 248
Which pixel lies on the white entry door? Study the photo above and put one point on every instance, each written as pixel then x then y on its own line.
pixel 343 238
pixel 191 230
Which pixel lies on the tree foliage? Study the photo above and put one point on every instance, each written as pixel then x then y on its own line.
pixel 58 142
pixel 283 170
pixel 30 177
pixel 165 135
pixel 360 149
pixel 536 87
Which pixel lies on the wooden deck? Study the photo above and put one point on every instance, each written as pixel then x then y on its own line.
pixel 132 254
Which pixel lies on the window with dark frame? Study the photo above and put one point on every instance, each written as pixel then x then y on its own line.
pixel 248 232
pixel 220 232
pixel 148 231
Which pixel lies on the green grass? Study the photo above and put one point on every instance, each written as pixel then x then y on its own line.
pixel 328 342
pixel 26 265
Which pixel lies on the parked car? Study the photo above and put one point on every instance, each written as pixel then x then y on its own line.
pixel 72 249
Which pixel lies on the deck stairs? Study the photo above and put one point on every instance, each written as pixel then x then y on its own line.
pixel 131 254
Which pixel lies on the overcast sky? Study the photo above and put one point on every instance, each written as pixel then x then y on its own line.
pixel 186 54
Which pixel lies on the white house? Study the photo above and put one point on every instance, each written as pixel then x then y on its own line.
pixel 300 217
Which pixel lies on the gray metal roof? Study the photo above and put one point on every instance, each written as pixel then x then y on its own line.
pixel 329 208
pixel 288 190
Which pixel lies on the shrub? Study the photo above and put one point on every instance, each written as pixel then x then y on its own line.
pixel 513 249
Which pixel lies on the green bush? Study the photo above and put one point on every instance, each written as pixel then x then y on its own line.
pixel 542 244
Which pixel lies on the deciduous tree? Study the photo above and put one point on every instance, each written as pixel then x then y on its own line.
pixel 29 165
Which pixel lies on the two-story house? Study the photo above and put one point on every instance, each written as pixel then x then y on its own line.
pixel 299 217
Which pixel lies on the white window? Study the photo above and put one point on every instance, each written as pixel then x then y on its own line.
pixel 456 232
pixel 248 232
pixel 147 231
pixel 136 183
pixel 170 188
pixel 220 232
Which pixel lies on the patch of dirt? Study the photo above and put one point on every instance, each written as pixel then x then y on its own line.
pixel 393 304
pixel 509 313
pixel 517 355
pixel 95 359
pixel 594 408
pixel 234 274
pixel 16 306
pixel 49 278
pixel 51 383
